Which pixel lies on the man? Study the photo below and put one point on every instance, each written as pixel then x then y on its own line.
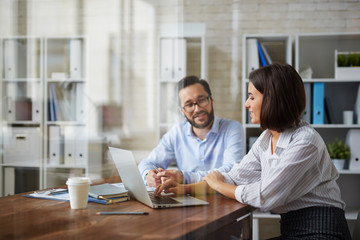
pixel 200 145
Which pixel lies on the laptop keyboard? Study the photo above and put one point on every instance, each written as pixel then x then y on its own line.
pixel 162 199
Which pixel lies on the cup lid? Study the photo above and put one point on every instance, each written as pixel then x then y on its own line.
pixel 78 181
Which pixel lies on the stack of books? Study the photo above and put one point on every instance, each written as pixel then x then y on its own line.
pixel 109 193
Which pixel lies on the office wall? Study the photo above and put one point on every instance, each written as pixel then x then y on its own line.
pixel 123 45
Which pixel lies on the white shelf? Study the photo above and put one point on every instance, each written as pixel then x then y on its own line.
pixel 249 125
pixel 28 75
pixel 66 80
pixel 339 93
pixel 350 172
pixel 172 81
pixel 185 51
pixel 64 123
pixel 20 164
pixel 336 125
pixel 66 166
pixel 22 122
pixel 22 80
pixel 21 94
pixel 329 80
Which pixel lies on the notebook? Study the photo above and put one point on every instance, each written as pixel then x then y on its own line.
pixel 130 176
pixel 109 192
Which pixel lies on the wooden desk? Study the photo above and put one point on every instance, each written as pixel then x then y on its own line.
pixel 29 218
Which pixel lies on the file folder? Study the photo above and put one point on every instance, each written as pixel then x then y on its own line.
pixel 75 59
pixel 69 145
pixel 318 103
pixel 266 54
pixel 357 106
pixel 307 112
pixel 81 146
pixel 35 93
pixel 252 55
pixel 10 55
pixel 80 102
pixel 9 108
pixel 11 94
pixel 352 140
pixel 166 59
pixel 54 145
pixel 36 110
pixel 179 67
pixel 261 55
pixel 9 177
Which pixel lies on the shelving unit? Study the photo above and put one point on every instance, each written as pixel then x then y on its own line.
pixel 65 126
pixel 182 51
pixel 279 49
pixel 317 51
pixel 44 137
pixel 21 114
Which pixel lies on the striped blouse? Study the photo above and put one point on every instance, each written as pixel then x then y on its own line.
pixel 299 174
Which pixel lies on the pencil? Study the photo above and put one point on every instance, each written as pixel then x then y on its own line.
pixel 122 213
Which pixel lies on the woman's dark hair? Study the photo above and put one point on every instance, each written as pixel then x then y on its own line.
pixel 283 96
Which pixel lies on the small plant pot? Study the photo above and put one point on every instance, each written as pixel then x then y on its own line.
pixel 347 65
pixel 339 163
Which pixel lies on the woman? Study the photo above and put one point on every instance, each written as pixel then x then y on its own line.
pixel 288 169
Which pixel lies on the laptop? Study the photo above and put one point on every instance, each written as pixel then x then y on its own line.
pixel 131 178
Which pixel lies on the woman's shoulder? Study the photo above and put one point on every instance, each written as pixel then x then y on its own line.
pixel 306 133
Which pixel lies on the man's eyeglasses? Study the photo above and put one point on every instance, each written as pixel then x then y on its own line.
pixel 201 102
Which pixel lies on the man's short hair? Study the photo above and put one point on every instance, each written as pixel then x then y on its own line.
pixel 283 96
pixel 191 80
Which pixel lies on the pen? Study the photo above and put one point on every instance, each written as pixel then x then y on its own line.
pixel 158 170
pixel 122 213
pixel 155 167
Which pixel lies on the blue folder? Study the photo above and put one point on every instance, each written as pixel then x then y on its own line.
pixel 261 55
pixel 318 103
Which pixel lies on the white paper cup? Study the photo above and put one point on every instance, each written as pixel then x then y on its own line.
pixel 348 117
pixel 78 191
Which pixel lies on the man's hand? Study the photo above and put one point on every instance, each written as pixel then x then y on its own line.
pixel 174 175
pixel 156 177
pixel 152 179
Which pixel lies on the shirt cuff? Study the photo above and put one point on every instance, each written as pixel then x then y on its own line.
pixel 186 178
pixel 238 193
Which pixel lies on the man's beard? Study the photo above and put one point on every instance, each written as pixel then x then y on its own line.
pixel 210 119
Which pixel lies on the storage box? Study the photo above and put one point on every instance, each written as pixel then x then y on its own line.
pixel 349 73
pixel 22 145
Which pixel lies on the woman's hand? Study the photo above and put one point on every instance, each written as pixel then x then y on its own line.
pixel 213 179
pixel 170 186
pixel 217 182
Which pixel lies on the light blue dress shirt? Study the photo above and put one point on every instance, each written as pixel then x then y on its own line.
pixel 223 146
